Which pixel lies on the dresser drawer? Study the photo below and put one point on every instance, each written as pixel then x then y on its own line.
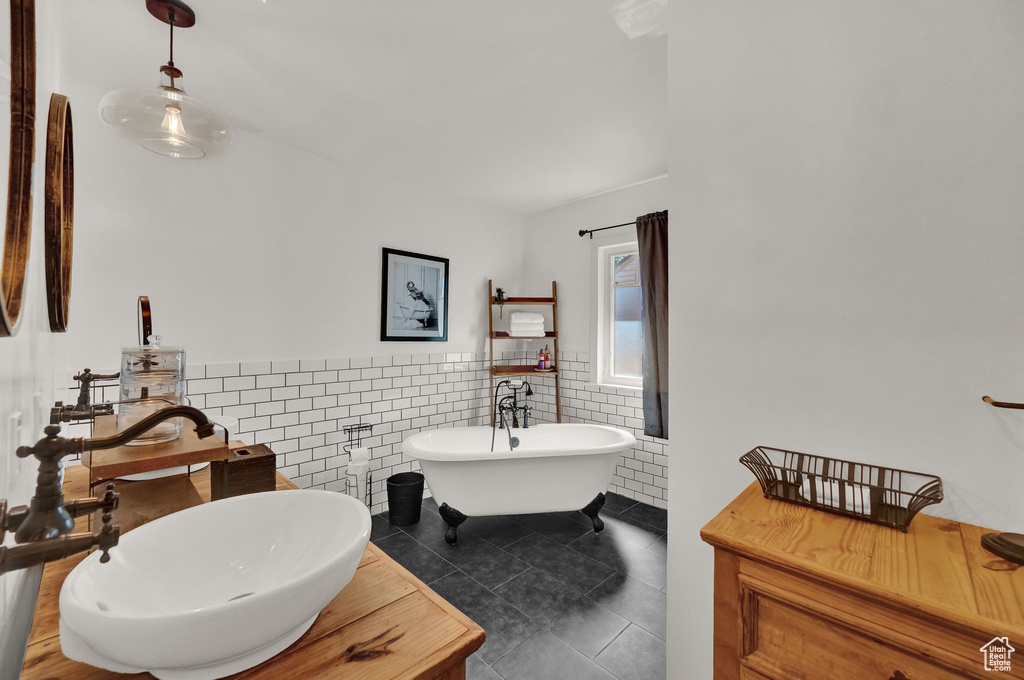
pixel 791 644
pixel 796 629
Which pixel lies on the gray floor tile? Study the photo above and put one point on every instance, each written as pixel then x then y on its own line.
pixel 541 597
pixel 554 525
pixel 549 611
pixel 638 602
pixel 407 551
pixel 589 630
pixel 505 625
pixel 430 527
pixel 639 563
pixel 381 528
pixel 647 514
pixel 566 565
pixel 616 503
pixel 497 529
pixel 477 669
pixel 545 657
pixel 639 535
pixel 660 546
pixel 481 560
pixel 635 655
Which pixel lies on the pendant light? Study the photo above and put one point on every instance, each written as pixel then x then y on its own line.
pixel 164 119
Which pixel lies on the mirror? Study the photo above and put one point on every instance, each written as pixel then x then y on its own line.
pixel 59 211
pixel 21 89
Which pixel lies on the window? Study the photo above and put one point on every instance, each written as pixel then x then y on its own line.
pixel 620 336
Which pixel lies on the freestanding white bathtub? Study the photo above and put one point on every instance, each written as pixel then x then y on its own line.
pixel 554 468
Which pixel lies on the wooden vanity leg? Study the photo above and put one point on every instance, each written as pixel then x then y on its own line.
pixel 728 622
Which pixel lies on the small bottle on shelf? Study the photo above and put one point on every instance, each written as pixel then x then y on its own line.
pixel 540 360
pixel 547 359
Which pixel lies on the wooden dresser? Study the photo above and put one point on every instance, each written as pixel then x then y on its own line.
pixel 802 594
pixel 382 598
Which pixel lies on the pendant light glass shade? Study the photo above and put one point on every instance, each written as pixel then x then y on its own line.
pixel 166 121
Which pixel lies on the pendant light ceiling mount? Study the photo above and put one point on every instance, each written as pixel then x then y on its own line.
pixel 166 120
pixel 172 12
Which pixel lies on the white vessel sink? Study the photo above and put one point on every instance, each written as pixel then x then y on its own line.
pixel 214 589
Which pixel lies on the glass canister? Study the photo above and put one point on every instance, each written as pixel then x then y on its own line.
pixel 152 378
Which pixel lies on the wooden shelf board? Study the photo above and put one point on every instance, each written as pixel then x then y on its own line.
pixel 525 301
pixel 188 449
pixel 504 335
pixel 520 369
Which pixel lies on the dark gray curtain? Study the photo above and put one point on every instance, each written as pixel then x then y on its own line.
pixel 652 235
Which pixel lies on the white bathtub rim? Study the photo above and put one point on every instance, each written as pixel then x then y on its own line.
pixel 414 449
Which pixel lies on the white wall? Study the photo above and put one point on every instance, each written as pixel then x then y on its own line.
pixel 846 232
pixel 264 252
pixel 555 252
pixel 27 362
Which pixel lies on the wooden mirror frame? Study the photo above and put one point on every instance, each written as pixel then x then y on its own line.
pixel 18 231
pixel 59 211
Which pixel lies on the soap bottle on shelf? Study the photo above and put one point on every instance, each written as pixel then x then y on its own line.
pixel 547 359
pixel 540 360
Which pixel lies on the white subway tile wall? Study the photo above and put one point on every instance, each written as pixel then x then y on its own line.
pixel 300 407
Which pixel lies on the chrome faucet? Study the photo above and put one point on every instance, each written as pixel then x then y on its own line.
pixel 43 529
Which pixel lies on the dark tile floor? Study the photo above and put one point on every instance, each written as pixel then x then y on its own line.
pixel 556 600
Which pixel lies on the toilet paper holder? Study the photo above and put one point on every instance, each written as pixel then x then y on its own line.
pixel 360 469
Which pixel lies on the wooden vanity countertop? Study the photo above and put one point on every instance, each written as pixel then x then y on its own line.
pixel 937 569
pixel 427 638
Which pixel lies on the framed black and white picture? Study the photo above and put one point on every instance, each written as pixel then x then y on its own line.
pixel 413 297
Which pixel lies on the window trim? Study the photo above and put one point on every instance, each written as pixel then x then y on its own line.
pixel 601 371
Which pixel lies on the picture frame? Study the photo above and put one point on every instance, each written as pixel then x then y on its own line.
pixel 413 297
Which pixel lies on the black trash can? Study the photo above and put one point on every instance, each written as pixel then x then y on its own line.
pixel 405 497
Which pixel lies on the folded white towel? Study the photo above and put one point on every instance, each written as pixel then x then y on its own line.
pixel 526 317
pixel 536 333
pixel 826 493
pixel 525 326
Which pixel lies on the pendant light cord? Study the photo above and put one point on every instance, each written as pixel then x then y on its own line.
pixel 170 61
pixel 171 23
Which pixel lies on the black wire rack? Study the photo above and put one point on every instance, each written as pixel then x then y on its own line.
pixel 872 493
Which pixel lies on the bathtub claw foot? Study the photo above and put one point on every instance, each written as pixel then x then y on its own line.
pixel 593 507
pixel 453 518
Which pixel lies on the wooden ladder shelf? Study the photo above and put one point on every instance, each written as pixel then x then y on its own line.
pixel 524 369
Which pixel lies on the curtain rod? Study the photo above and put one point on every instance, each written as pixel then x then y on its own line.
pixel 584 232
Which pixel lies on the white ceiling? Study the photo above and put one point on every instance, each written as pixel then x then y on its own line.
pixel 522 104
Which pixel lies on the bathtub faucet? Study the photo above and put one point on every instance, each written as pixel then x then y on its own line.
pixel 510 403
pixel 505 406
